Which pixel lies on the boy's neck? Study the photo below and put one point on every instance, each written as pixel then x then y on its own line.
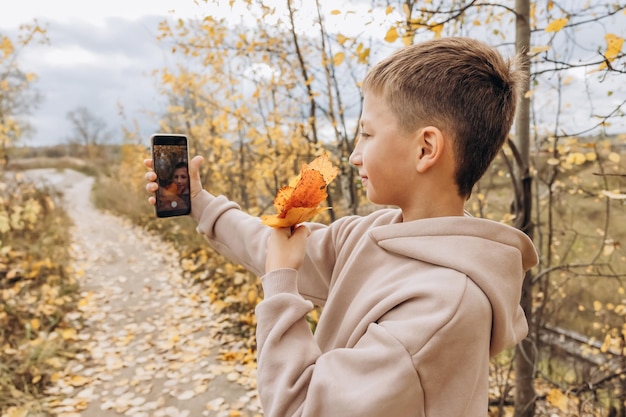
pixel 431 205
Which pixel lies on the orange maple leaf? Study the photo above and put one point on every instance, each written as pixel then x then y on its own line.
pixel 299 201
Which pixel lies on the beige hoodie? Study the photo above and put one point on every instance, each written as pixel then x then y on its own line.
pixel 412 311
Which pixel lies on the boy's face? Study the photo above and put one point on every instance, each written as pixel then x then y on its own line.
pixel 385 155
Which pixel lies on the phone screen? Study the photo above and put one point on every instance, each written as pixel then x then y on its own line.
pixel 170 157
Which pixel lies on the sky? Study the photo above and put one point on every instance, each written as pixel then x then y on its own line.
pixel 100 55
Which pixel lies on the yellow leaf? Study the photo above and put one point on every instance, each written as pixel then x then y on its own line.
pixel 6 46
pixel 341 39
pixel 334 12
pixel 557 399
pixel 54 362
pixel 16 412
pixel 556 25
pixel 252 296
pixel 597 305
pixel 298 202
pixel 553 161
pixel 614 157
pixel 576 158
pixel 538 49
pixel 437 30
pixel 338 58
pixel 363 54
pixel 35 324
pixel 606 344
pixel 613 47
pixel 392 35
pixel 68 334
pixel 78 380
pixel 389 10
pixel 591 156
pixel 294 216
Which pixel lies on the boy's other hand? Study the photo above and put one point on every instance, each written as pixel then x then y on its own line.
pixel 285 249
pixel 195 185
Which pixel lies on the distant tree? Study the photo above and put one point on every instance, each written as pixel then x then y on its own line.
pixel 89 132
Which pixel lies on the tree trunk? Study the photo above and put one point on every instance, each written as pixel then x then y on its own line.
pixel 525 358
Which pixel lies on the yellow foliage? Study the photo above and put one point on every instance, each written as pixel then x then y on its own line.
pixel 362 54
pixel 298 202
pixel 556 398
pixel 538 49
pixel 391 35
pixel 613 48
pixel 557 25
pixel 437 29
pixel 614 157
pixel 576 158
pixel 341 39
pixel 16 412
pixel 6 46
pixel 338 58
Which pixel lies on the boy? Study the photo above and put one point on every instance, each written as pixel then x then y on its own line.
pixel 416 298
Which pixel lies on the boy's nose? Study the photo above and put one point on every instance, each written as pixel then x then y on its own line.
pixel 355 158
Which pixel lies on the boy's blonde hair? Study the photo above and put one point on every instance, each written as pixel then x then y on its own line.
pixel 461 86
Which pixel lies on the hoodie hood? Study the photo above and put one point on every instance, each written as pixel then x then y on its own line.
pixel 493 255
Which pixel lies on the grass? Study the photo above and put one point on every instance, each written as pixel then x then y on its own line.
pixel 37 290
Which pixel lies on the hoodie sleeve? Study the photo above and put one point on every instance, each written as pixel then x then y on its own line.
pixel 242 239
pixel 296 379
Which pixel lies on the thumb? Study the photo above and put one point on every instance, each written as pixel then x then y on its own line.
pixel 195 184
pixel 300 233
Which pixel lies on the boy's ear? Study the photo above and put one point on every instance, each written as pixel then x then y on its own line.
pixel 430 148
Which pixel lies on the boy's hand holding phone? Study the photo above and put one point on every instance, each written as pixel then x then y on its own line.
pixel 195 184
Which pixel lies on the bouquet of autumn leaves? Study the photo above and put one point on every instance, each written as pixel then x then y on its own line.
pixel 300 201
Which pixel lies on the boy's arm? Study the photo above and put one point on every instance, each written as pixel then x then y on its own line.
pixel 375 378
pixel 242 238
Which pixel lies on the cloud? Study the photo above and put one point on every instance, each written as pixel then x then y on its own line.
pixel 95 66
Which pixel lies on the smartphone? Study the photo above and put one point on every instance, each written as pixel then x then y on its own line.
pixel 170 157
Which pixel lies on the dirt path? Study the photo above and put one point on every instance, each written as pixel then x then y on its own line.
pixel 151 336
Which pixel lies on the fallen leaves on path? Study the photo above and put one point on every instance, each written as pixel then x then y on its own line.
pixel 155 346
pixel 143 336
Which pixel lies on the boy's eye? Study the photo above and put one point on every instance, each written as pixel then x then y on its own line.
pixel 364 135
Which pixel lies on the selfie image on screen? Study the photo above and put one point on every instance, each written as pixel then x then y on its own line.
pixel 170 165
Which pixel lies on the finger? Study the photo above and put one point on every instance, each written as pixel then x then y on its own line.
pixel 152 187
pixel 194 175
pixel 148 163
pixel 151 176
pixel 152 200
pixel 300 232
